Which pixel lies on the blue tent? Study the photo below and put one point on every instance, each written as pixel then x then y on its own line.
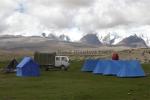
pixel 112 67
pixel 107 67
pixel 28 67
pixel 120 68
pixel 131 68
pixel 100 67
pixel 89 65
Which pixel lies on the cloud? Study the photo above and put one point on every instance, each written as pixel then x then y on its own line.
pixel 66 15
pixel 112 13
pixel 64 3
pixel 23 24
pixel 6 10
pixel 58 13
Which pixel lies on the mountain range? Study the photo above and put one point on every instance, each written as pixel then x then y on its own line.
pixel 133 41
pixel 116 38
pixel 63 42
pixel 38 43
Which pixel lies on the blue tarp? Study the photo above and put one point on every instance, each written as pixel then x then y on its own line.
pixel 28 67
pixel 100 67
pixel 89 65
pixel 131 69
pixel 120 68
pixel 108 67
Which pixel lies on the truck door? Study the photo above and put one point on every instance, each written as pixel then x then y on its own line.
pixel 64 61
pixel 57 61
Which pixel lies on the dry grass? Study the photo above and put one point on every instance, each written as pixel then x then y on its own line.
pixel 8 55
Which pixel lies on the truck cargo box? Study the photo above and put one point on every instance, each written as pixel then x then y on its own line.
pixel 45 58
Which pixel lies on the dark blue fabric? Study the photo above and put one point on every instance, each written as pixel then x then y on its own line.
pixel 28 67
pixel 89 65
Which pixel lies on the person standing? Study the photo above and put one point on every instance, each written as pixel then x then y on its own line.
pixel 115 56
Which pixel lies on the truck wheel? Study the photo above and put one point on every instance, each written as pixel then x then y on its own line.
pixel 46 69
pixel 63 67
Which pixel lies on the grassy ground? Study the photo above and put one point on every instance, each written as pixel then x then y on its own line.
pixel 74 85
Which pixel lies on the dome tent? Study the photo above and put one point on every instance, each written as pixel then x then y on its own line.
pixel 28 67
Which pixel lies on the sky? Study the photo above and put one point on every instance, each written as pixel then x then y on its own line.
pixel 74 18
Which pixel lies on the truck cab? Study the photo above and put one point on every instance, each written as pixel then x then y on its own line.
pixel 61 61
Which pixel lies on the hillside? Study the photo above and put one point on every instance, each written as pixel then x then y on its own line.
pixel 37 43
pixel 133 41
pixel 90 39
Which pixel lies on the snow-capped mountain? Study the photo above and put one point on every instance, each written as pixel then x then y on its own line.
pixel 146 38
pixel 52 37
pixel 64 38
pixel 90 39
pixel 115 38
pixel 133 41
pixel 110 38
pixel 59 38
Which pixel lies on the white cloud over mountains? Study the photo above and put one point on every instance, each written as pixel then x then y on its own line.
pixel 74 17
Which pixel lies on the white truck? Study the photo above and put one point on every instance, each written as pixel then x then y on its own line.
pixel 50 60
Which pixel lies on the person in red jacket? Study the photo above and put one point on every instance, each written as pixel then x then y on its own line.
pixel 115 56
